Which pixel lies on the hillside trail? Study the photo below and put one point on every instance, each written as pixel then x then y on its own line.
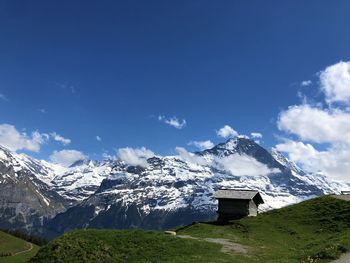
pixel 344 258
pixel 24 251
pixel 227 245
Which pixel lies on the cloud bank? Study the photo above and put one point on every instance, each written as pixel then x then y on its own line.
pixel 191 157
pixel 67 157
pixel 324 125
pixel 14 140
pixel 335 82
pixel 202 145
pixel 226 132
pixel 137 156
pixel 244 165
pixel 235 164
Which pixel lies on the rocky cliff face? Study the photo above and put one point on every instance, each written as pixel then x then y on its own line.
pixel 170 191
pixel 26 202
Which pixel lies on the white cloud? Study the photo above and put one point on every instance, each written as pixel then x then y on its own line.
pixel 98 138
pixel 136 157
pixel 202 145
pixel 244 165
pixel 173 121
pixel 42 110
pixel 190 157
pixel 298 151
pixel 256 135
pixel 67 157
pixel 235 164
pixel 335 82
pixel 106 155
pixel 315 124
pixel 3 97
pixel 306 83
pixel 334 161
pixel 14 140
pixel 226 132
pixel 327 125
pixel 60 138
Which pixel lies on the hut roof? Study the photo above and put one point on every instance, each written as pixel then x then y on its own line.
pixel 239 194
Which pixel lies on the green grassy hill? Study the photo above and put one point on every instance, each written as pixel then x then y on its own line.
pixel 314 230
pixel 127 246
pixel 16 250
pixel 317 230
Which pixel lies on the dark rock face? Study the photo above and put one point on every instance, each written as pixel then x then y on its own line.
pixel 119 216
pixel 75 217
pixel 26 202
pixel 107 184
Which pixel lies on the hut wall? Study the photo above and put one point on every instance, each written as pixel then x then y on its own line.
pixel 234 207
pixel 253 209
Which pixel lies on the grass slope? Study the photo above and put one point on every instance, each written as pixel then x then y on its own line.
pixel 316 230
pixel 94 245
pixel 10 245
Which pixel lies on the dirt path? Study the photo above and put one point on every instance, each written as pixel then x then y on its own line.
pixel 24 251
pixel 345 258
pixel 342 197
pixel 227 245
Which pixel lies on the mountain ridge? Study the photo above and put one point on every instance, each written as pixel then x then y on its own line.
pixel 170 191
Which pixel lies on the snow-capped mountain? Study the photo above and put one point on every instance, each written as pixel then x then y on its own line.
pixel 26 201
pixel 81 179
pixel 171 190
pixel 176 190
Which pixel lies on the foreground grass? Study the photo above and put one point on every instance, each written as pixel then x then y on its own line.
pixel 128 246
pixel 316 230
pixel 10 245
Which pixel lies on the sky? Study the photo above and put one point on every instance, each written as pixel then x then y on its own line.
pixel 97 78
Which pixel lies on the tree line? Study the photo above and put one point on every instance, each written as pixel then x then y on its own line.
pixel 27 237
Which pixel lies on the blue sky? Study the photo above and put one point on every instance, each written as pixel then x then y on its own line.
pixel 111 68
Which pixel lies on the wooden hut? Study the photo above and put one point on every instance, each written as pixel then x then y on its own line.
pixel 237 203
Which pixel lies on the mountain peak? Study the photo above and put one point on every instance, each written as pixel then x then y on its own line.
pixel 239 144
pixel 81 162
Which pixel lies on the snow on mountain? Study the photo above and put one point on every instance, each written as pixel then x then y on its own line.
pixel 74 183
pixel 171 182
pixel 21 161
pixel 279 157
pixel 171 190
pixel 176 190
pixel 319 179
pixel 25 200
pixel 77 182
